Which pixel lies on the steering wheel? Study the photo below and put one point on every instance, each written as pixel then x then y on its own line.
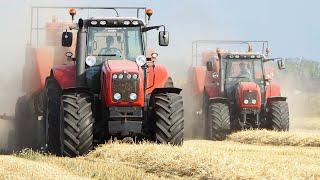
pixel 114 52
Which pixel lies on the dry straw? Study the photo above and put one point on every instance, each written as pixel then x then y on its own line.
pixel 196 159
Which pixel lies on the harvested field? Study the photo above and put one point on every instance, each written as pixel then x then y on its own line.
pixel 264 137
pixel 195 159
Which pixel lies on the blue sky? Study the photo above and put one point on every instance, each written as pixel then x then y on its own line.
pixel 292 27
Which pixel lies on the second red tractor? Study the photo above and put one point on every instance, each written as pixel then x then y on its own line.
pixel 238 91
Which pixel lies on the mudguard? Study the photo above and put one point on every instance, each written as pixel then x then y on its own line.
pixel 219 100
pixel 65 75
pixel 276 98
pixel 273 90
pixel 157 77
pixel 167 90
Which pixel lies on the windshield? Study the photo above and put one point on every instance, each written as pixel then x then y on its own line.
pixel 114 43
pixel 244 70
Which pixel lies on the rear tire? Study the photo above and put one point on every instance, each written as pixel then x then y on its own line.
pixel 169 118
pixel 218 121
pixel 27 127
pixel 279 115
pixel 70 122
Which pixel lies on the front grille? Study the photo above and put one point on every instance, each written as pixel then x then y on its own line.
pixel 250 96
pixel 125 86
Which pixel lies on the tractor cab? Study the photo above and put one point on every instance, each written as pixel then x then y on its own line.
pixel 242 68
pixel 117 38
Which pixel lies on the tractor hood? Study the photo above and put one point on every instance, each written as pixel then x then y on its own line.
pixel 248 95
pixel 122 65
pixel 120 79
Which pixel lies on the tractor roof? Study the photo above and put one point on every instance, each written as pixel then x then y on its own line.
pixel 242 55
pixel 114 22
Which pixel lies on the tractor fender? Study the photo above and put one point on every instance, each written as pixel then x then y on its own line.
pixel 219 100
pixel 78 90
pixel 276 98
pixel 166 90
pixel 65 76
pixel 68 89
pixel 157 77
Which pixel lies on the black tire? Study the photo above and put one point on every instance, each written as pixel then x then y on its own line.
pixel 218 121
pixel 70 121
pixel 279 115
pixel 169 118
pixel 26 125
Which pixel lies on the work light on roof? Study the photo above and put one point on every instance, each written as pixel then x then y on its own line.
pixel 127 22
pixel 103 23
pixel 94 22
pixel 135 23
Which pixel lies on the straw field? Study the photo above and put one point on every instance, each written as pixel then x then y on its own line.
pixel 244 155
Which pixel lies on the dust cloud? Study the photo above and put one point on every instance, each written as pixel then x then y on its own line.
pixel 12 49
pixel 300 82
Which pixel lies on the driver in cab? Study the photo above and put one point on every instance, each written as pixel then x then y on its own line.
pixel 110 50
pixel 244 71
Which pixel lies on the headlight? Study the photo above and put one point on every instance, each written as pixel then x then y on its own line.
pixel 114 76
pixel 215 75
pixel 129 76
pixel 246 101
pixel 141 60
pixel 117 96
pixel 135 76
pixel 254 101
pixel 91 60
pixel 120 76
pixel 133 96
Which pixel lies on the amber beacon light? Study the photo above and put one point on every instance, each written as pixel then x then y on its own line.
pixel 149 13
pixel 72 12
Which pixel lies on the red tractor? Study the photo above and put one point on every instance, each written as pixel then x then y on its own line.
pixel 110 86
pixel 237 89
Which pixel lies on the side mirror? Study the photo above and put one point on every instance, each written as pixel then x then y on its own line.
pixel 281 64
pixel 209 66
pixel 67 39
pixel 163 38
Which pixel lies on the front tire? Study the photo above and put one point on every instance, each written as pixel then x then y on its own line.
pixel 218 121
pixel 70 122
pixel 169 118
pixel 279 115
